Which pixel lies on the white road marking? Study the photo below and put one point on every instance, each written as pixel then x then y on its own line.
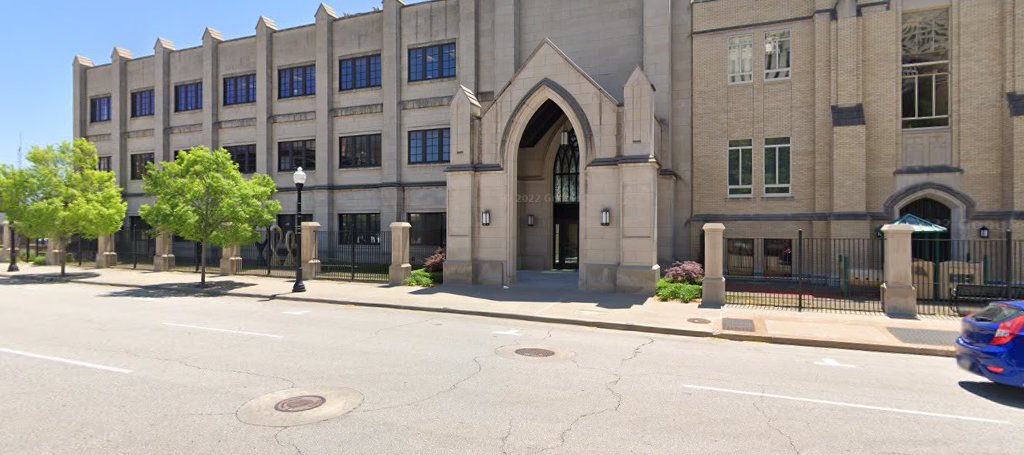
pixel 833 363
pixel 296 313
pixel 67 361
pixel 849 405
pixel 239 332
pixel 513 332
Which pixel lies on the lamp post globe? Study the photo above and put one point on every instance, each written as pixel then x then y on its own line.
pixel 299 178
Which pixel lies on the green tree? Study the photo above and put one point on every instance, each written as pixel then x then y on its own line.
pixel 62 194
pixel 201 196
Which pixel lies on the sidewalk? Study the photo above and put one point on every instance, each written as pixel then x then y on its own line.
pixel 871 332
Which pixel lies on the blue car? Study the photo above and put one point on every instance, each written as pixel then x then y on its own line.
pixel 991 344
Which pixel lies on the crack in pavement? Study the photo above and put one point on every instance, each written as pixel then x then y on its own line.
pixel 277 438
pixel 609 386
pixel 504 439
pixel 451 388
pixel 392 327
pixel 770 423
pixel 191 365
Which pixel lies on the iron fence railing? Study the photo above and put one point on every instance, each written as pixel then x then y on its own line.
pixel 273 255
pixel 135 248
pixel 940 266
pixel 359 256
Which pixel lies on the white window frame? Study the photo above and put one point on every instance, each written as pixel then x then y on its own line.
pixel 735 50
pixel 782 72
pixel 749 187
pixel 776 148
pixel 910 73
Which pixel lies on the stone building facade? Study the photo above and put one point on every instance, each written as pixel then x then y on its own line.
pixel 596 134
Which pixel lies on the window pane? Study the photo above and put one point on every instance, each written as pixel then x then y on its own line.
pixel 450 62
pixel 924 97
pixel 909 100
pixel 783 158
pixel 734 167
pixel 375 71
pixel 432 145
pixel 747 167
pixel 925 36
pixel 346 74
pixel 362 74
pixel 769 166
pixel 433 62
pixel 415 64
pixel 941 100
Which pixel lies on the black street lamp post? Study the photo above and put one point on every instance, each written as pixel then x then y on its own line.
pixel 14 252
pixel 300 179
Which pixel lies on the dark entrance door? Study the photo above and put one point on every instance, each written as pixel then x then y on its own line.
pixel 933 246
pixel 566 205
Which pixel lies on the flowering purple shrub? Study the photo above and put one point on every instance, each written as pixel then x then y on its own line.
pixel 435 263
pixel 685 272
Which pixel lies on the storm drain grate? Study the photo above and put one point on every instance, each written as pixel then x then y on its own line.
pixel 300 403
pixel 923 336
pixel 535 352
pixel 738 325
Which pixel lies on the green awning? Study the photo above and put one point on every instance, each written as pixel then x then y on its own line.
pixel 919 224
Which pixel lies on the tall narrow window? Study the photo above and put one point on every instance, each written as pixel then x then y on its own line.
pixel 104 164
pixel 777 58
pixel 926 69
pixel 741 57
pixel 99 109
pixel 142 103
pixel 298 81
pixel 740 168
pixel 432 62
pixel 360 72
pixel 244 156
pixel 566 182
pixel 240 89
pixel 359 151
pixel 188 97
pixel 776 166
pixel 139 161
pixel 429 146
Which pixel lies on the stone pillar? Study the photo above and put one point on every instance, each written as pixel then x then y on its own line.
pixel 714 280
pixel 53 251
pixel 265 91
pixel 163 260
pixel 899 297
pixel 211 87
pixel 105 253
pixel 119 113
pixel 5 242
pixel 163 98
pixel 310 250
pixel 400 268
pixel 231 260
pixel 80 100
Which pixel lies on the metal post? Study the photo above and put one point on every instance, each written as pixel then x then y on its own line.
pixel 270 246
pixel 352 251
pixel 800 269
pixel 299 286
pixel 79 253
pixel 1009 262
pixel 13 267
pixel 135 254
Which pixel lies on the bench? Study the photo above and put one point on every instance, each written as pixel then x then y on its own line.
pixel 985 293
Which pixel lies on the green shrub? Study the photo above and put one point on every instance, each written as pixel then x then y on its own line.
pixel 39 260
pixel 423 278
pixel 686 293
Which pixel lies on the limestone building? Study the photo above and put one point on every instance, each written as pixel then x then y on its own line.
pixel 595 134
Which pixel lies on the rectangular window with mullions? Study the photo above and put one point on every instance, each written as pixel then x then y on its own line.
pixel 188 97
pixel 139 162
pixel 297 81
pixel 432 62
pixel 142 103
pixel 104 164
pixel 359 72
pixel 244 156
pixel 99 109
pixel 292 155
pixel 925 97
pixel 740 168
pixel 359 228
pixel 741 57
pixel 778 49
pixel 359 151
pixel 240 89
pixel 776 166
pixel 429 146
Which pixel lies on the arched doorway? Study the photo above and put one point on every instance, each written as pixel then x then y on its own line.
pixel 566 202
pixel 936 246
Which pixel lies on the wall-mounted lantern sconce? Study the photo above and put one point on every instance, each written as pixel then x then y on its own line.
pixel 529 220
pixel 606 217
pixel 878 232
pixel 984 232
pixel 485 218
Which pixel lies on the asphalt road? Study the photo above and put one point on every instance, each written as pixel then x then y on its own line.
pixel 91 369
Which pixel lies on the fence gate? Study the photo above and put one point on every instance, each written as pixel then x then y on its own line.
pixel 940 266
pixel 135 248
pixel 274 255
pixel 804 274
pixel 354 255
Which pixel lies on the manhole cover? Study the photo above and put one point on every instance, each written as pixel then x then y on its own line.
pixel 535 352
pixel 300 403
pixel 698 321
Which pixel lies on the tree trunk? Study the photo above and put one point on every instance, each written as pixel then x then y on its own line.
pixel 63 256
pixel 202 264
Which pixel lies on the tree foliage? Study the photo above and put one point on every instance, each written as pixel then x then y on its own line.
pixel 201 196
pixel 62 194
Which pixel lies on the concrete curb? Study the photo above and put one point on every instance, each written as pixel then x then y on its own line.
pixel 732 336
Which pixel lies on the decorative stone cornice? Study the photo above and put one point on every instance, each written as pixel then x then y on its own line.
pixel 423 103
pixel 196 127
pixel 295 117
pixel 357 110
pixel 237 123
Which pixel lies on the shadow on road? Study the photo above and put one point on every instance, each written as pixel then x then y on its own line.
pixel 212 289
pixel 46 278
pixel 607 300
pixel 998 393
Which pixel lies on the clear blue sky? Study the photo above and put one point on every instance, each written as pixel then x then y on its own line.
pixel 40 38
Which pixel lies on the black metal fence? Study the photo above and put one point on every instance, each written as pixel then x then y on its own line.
pixel 805 274
pixel 940 266
pixel 188 256
pixel 135 248
pixel 274 255
pixel 81 251
pixel 354 255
